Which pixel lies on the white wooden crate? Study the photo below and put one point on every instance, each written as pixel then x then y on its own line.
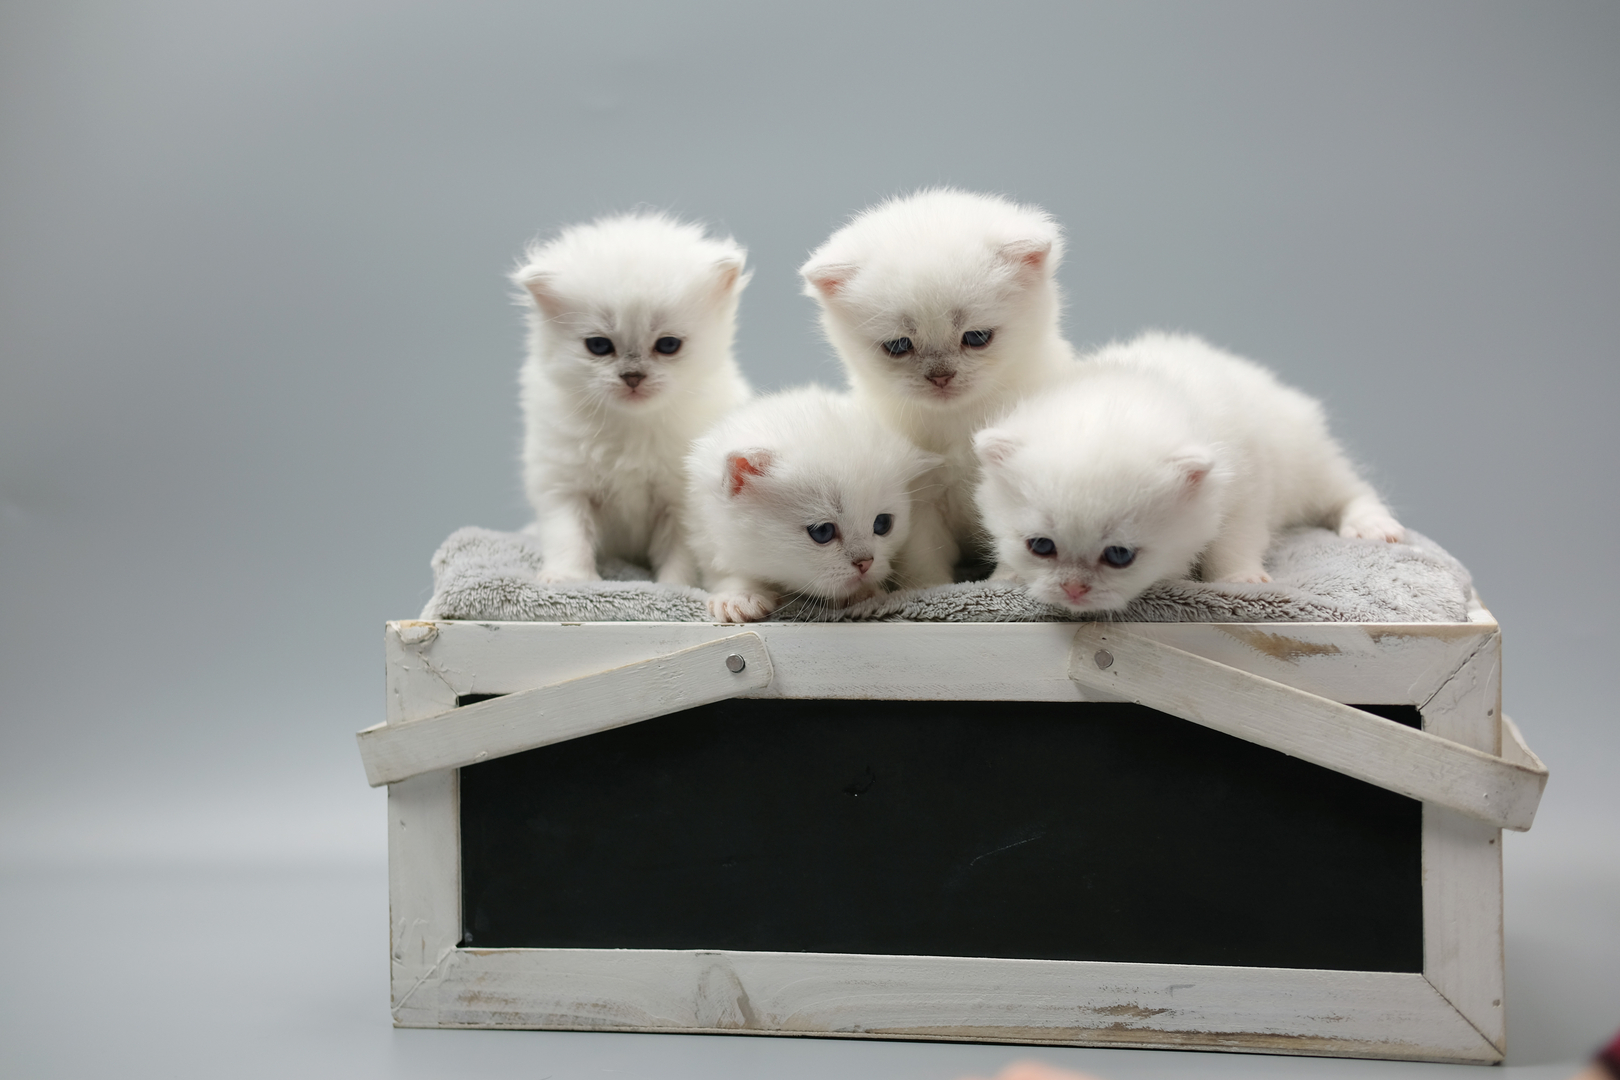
pixel 1277 684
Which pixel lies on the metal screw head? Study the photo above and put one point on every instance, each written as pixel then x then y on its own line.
pixel 1104 658
pixel 735 663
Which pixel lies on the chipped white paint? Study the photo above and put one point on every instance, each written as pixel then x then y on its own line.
pixel 1451 1012
pixel 424 880
pixel 424 840
pixel 1360 663
pixel 1462 859
pixel 1367 1014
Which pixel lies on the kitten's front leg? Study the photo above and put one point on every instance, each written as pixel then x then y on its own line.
pixel 678 569
pixel 1238 553
pixel 931 552
pixel 671 558
pixel 567 533
pixel 740 599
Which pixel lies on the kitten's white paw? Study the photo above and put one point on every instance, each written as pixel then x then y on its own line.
pixel 561 574
pixel 741 607
pixel 1247 577
pixel 1373 527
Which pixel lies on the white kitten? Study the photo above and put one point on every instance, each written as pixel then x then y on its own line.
pixel 943 308
pixel 1159 453
pixel 802 492
pixel 630 338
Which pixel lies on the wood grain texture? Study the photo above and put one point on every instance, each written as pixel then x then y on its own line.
pixel 1398 664
pixel 414 683
pixel 1470 700
pixel 567 710
pixel 1463 954
pixel 424 835
pixel 1462 858
pixel 1395 664
pixel 1304 725
pixel 1364 1014
pixel 424 882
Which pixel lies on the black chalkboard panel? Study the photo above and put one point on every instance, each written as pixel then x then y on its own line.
pixel 1040 830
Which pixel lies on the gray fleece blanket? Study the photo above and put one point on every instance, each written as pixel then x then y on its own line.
pixel 1317 576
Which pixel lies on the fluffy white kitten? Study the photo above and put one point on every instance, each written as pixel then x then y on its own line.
pixel 630 335
pixel 943 308
pixel 802 492
pixel 1159 453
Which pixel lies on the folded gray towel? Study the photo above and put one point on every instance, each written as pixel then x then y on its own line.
pixel 1317 576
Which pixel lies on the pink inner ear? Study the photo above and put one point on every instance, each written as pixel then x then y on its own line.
pixel 729 273
pixel 1194 473
pixel 828 280
pixel 1195 465
pixel 544 298
pixel 1028 256
pixel 994 447
pixel 738 469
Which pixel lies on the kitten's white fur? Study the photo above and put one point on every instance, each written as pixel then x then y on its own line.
pixel 931 267
pixel 602 450
pixel 781 465
pixel 1174 449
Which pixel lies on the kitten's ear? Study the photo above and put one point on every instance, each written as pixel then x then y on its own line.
pixel 995 446
pixel 824 281
pixel 1193 465
pixel 541 287
pixel 744 468
pixel 730 278
pixel 1032 259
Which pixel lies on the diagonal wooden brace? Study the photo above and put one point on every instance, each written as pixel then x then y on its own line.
pixel 566 710
pixel 1503 791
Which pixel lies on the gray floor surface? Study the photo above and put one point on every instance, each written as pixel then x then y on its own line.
pixel 279 971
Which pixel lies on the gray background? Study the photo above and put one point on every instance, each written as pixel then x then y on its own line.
pixel 259 359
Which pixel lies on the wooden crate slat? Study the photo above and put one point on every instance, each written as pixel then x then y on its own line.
pixel 1301 1011
pixel 1386 664
pixel 566 710
pixel 1415 763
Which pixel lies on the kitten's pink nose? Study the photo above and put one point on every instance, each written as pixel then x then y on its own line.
pixel 862 565
pixel 632 379
pixel 1074 590
pixel 942 381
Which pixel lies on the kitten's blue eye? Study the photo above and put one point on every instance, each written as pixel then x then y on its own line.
pixel 882 524
pixel 1114 555
pixel 1040 545
pixel 823 533
pixel 898 347
pixel 977 339
pixel 669 346
pixel 599 346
